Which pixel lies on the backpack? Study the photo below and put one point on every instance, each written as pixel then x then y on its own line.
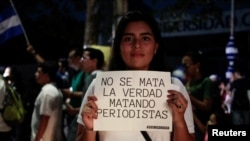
pixel 13 111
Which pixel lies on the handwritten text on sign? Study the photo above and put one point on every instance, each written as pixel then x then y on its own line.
pixel 133 101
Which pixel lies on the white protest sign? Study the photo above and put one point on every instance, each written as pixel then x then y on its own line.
pixel 133 101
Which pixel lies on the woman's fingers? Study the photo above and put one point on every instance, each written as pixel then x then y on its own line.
pixel 176 100
pixel 92 97
pixel 90 108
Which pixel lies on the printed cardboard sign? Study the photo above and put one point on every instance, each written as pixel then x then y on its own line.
pixel 133 101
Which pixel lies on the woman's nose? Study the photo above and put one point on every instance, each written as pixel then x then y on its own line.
pixel 137 43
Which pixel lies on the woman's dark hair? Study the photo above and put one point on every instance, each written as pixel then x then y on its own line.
pixel 15 74
pixel 158 62
pixel 197 56
pixel 16 78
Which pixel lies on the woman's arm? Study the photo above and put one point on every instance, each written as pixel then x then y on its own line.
pixel 181 132
pixel 178 103
pixel 88 114
pixel 84 134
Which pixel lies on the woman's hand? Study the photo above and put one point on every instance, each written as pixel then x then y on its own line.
pixel 89 112
pixel 178 103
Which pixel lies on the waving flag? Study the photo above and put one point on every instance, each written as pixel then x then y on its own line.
pixel 10 24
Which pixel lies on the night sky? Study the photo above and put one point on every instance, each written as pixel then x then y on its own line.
pixel 52 27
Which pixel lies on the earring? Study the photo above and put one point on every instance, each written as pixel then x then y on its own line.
pixel 155 51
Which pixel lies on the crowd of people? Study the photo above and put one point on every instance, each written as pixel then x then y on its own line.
pixel 61 105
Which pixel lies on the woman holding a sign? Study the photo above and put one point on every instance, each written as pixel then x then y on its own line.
pixel 137 47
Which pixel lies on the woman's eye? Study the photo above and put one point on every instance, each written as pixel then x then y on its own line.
pixel 127 39
pixel 146 38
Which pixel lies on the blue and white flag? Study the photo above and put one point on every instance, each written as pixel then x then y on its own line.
pixel 231 53
pixel 10 24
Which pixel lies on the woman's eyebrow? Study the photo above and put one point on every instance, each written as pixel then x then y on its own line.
pixel 147 33
pixel 127 33
pixel 144 33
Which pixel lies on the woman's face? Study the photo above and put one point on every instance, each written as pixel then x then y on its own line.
pixel 190 68
pixel 138 46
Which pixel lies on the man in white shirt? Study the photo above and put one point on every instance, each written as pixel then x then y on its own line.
pixel 47 114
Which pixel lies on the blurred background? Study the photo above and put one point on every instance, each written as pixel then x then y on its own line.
pixel 55 26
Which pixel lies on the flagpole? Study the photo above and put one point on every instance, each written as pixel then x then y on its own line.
pixel 232 19
pixel 24 32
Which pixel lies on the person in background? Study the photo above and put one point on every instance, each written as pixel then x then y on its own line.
pixel 47 113
pixel 137 46
pixel 13 77
pixel 63 73
pixel 203 91
pixel 240 86
pixel 5 130
pixel 92 62
pixel 63 70
pixel 70 83
pixel 219 118
pixel 228 96
pixel 12 74
pixel 73 94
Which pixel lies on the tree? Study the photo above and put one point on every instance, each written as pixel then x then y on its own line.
pixel 120 7
pixel 92 20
